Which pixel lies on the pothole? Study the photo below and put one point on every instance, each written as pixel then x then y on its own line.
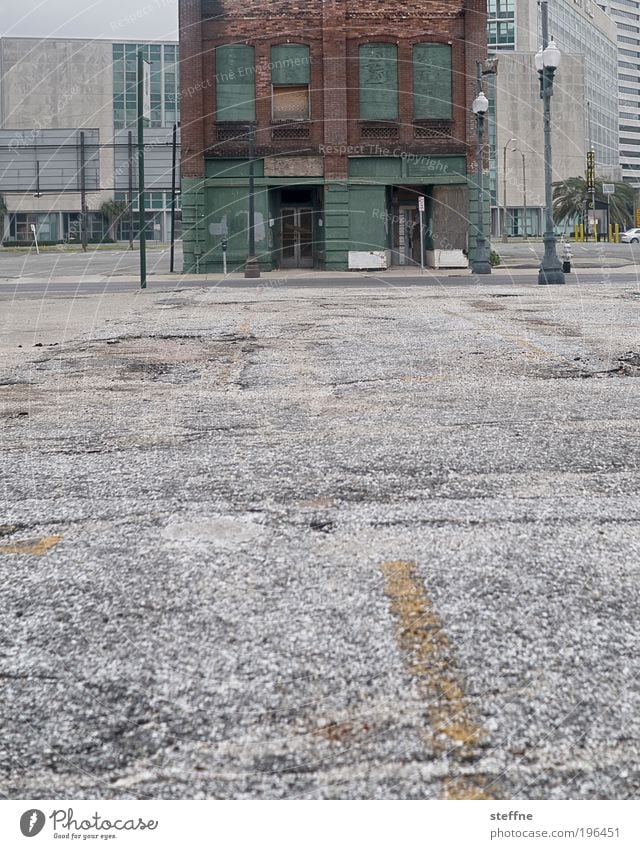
pixel 628 366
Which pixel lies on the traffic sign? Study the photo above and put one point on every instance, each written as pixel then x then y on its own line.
pixel 421 203
pixel 608 189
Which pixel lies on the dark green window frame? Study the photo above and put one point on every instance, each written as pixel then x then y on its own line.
pixel 235 82
pixel 432 81
pixel 378 81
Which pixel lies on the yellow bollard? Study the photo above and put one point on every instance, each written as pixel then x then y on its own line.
pixel 575 232
pixel 610 234
pixel 617 234
pixel 581 232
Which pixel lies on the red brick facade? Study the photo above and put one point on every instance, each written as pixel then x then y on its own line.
pixel 333 29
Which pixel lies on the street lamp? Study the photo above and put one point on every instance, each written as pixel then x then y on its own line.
pixel 547 61
pixel 480 107
pixel 504 189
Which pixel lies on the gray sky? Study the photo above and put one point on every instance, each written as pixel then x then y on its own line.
pixel 139 19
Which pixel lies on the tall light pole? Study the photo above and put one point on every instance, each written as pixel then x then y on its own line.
pixel 504 189
pixel 547 62
pixel 524 192
pixel 480 106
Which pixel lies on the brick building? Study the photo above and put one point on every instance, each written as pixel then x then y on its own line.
pixel 358 108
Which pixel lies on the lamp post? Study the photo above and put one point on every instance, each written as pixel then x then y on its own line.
pixel 524 193
pixel 547 61
pixel 504 189
pixel 252 269
pixel 480 106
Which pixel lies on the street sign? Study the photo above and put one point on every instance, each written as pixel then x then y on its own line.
pixel 608 189
pixel 421 203
pixel 146 99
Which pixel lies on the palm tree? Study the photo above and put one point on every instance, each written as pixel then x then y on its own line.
pixel 113 211
pixel 570 199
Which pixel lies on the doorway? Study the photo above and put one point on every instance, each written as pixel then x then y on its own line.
pixel 408 235
pixel 297 237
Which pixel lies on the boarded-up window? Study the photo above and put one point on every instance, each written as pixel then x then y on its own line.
pixel 432 81
pixel 235 83
pixel 290 77
pixel 290 64
pixel 378 82
pixel 291 103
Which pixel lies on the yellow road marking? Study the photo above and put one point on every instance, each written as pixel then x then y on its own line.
pixel 430 661
pixel 31 546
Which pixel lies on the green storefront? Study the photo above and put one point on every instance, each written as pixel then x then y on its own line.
pixel 369 220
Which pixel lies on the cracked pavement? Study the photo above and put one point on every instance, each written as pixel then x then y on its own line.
pixel 274 543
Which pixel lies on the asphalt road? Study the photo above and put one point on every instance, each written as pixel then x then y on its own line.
pixel 125 284
pixel 321 544
pixel 51 264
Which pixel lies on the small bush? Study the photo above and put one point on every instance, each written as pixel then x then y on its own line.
pixel 494 259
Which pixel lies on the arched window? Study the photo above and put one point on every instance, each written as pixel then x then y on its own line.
pixel 235 82
pixel 378 82
pixel 290 80
pixel 432 82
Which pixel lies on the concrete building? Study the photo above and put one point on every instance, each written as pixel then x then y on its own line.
pixel 584 105
pixel 358 108
pixel 67 108
pixel 626 14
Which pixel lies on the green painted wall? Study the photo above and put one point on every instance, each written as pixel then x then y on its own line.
pixel 367 218
pixel 409 168
pixel 352 212
pixel 336 225
pixel 192 223
pixel 227 217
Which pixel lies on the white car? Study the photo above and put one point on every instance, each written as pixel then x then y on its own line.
pixel 632 236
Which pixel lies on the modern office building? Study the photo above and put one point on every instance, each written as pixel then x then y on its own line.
pixel 626 14
pixel 585 107
pixel 358 109
pixel 68 124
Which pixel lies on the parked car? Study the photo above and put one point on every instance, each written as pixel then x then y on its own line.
pixel 632 236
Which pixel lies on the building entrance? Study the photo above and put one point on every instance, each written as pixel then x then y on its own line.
pixel 297 237
pixel 408 235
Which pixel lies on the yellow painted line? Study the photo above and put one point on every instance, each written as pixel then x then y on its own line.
pixel 430 661
pixel 31 546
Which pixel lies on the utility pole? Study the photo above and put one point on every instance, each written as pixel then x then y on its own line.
pixel 130 159
pixel 141 203
pixel 252 269
pixel 547 61
pixel 83 194
pixel 173 197
pixel 480 107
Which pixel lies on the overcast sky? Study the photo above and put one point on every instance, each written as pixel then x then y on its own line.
pixel 113 19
